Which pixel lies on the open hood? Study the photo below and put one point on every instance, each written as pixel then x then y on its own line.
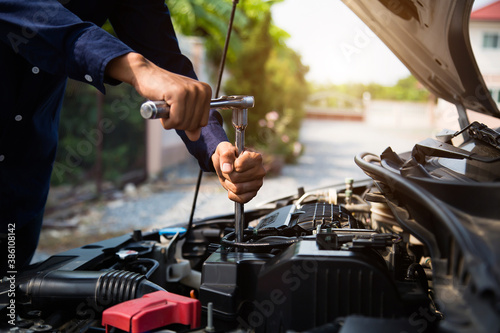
pixel 432 39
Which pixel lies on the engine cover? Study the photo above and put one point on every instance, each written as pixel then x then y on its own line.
pixel 321 278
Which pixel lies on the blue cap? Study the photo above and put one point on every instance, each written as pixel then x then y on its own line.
pixel 172 231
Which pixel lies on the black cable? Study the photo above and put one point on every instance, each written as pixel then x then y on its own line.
pixel 228 240
pixel 193 207
pixel 226 46
pixel 217 89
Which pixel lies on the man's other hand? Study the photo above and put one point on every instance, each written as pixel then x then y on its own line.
pixel 241 176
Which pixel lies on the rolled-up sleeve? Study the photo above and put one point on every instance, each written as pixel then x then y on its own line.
pixel 57 41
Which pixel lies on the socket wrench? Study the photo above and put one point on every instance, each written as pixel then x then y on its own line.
pixel 160 109
pixel 239 105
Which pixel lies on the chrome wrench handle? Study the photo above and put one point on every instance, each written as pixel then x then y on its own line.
pixel 239 105
pixel 160 109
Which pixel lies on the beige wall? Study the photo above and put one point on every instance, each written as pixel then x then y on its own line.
pixel 487 58
pixel 165 148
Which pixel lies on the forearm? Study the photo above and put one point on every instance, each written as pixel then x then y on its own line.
pixel 127 68
pixel 133 68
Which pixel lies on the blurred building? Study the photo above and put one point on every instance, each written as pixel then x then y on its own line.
pixel 165 148
pixel 484 29
pixel 484 33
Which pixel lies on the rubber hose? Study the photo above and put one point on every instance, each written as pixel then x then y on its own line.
pixel 103 289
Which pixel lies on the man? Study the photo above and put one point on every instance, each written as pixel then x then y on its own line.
pixel 45 41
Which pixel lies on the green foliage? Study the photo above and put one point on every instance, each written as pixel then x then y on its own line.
pixel 208 19
pixel 406 89
pixel 248 75
pixel 120 131
pixel 259 64
pixel 274 74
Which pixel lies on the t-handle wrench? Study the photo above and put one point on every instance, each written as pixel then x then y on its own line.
pixel 239 105
pixel 240 121
pixel 160 109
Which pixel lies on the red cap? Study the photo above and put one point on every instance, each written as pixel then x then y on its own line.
pixel 153 311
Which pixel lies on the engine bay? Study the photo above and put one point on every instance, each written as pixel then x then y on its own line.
pixel 400 251
pixel 309 261
pixel 412 248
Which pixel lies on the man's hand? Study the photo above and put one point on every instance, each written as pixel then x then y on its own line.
pixel 241 176
pixel 189 100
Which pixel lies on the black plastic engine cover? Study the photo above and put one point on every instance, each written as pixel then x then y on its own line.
pixel 304 287
pixel 229 279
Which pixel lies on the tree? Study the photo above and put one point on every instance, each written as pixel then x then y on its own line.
pixel 406 89
pixel 274 74
pixel 208 19
pixel 120 131
pixel 259 64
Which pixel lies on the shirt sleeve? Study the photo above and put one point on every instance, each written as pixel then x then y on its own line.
pixel 53 38
pixel 204 147
pixel 146 27
pixel 57 41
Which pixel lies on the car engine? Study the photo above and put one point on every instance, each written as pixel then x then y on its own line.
pixel 413 248
pixel 374 253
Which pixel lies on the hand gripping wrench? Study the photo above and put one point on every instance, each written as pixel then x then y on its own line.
pixel 239 105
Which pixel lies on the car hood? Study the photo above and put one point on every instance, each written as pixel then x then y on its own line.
pixel 432 39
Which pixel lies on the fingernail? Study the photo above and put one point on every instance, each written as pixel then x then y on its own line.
pixel 226 167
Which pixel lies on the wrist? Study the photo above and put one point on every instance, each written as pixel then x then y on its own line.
pixel 127 67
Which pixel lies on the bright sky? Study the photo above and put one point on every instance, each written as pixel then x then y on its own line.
pixel 321 30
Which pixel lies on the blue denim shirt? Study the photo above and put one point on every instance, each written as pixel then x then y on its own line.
pixel 43 42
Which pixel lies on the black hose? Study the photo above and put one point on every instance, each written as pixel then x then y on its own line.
pixel 424 198
pixel 101 290
pixel 364 161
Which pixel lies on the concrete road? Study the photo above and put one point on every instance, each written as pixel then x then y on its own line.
pixel 329 150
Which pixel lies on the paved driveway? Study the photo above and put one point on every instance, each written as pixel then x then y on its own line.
pixel 330 147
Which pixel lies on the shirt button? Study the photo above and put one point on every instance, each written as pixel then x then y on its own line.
pixel 2 157
pixel 88 78
pixel 35 70
pixel 18 117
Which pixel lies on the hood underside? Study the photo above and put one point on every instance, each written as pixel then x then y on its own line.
pixel 432 39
